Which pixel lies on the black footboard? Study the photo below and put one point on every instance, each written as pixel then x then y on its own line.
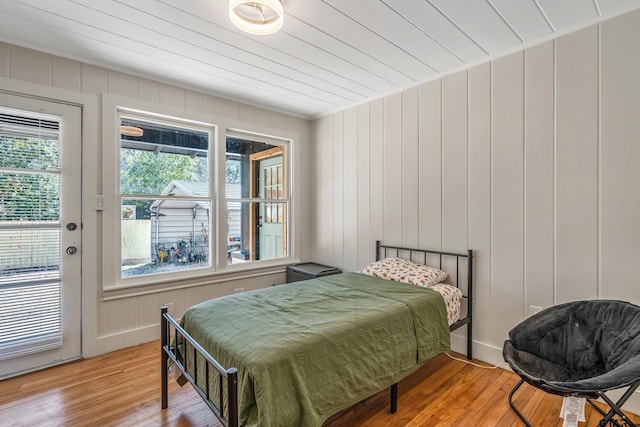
pixel 177 350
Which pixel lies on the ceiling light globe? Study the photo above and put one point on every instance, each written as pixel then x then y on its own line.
pixel 257 17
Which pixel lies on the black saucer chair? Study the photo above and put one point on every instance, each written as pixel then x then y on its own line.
pixel 581 349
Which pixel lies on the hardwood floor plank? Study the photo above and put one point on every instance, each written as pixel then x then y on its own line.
pixel 123 389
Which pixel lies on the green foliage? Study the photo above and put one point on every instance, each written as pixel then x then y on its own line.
pixel 29 196
pixel 144 172
pixel 148 173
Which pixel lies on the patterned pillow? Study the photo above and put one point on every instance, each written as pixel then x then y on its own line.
pixel 402 270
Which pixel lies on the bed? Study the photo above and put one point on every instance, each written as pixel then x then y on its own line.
pixel 297 353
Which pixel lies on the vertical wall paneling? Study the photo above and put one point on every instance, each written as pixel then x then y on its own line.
pixel 246 114
pixel 410 168
pixel 193 296
pixel 148 90
pixel 66 74
pixel 322 214
pixel 620 157
pixel 123 84
pixel 376 183
pixel 480 192
pixel 527 161
pixel 430 165
pixel 4 59
pixel 194 101
pixel 148 307
pixel 121 315
pixel 229 109
pixel 507 194
pixel 211 105
pixel 277 120
pixel 30 66
pixel 539 176
pixel 454 162
pixel 393 169
pixel 175 97
pixel 577 166
pixel 365 246
pixel 94 79
pixel 350 181
pixel 338 188
pixel 261 117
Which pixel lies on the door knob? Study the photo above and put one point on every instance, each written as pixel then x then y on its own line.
pixel 71 250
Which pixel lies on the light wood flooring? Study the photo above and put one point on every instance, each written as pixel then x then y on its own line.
pixel 123 389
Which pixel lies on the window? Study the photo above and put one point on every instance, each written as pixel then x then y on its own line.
pixel 164 196
pixel 188 206
pixel 257 198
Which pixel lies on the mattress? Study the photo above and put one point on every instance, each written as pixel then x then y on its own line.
pixel 452 299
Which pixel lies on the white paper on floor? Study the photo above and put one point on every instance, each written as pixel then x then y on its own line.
pixel 572 411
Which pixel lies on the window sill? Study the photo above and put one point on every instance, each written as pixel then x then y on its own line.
pixel 133 290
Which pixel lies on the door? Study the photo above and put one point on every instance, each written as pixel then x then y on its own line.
pixel 268 219
pixel 40 230
pixel 271 213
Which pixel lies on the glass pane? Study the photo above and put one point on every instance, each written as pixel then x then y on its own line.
pixel 164 236
pixel 155 156
pixel 30 298
pixel 29 153
pixel 29 311
pixel 280 182
pixel 29 250
pixel 147 173
pixel 267 177
pixel 29 196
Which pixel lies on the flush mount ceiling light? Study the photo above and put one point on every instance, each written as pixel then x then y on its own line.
pixel 256 17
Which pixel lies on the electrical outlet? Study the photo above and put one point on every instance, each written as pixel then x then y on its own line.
pixel 238 290
pixel 169 306
pixel 533 309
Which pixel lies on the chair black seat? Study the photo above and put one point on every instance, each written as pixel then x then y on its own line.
pixel 581 348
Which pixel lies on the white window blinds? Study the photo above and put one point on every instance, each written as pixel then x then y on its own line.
pixel 30 299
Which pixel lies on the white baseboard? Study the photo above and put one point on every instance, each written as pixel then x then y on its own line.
pixel 493 355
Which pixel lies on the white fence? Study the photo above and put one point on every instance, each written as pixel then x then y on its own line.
pixel 33 246
pixel 136 240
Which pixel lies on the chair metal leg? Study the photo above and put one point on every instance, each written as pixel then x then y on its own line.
pixel 513 406
pixel 603 413
pixel 616 408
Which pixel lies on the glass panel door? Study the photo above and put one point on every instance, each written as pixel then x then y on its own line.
pixel 39 234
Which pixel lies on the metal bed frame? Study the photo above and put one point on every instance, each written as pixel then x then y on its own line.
pixel 227 378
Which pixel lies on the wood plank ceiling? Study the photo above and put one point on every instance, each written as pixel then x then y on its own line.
pixel 329 55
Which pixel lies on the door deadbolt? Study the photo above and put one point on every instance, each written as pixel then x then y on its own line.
pixel 72 226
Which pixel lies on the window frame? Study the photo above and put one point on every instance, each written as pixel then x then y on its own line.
pixel 109 202
pixel 286 145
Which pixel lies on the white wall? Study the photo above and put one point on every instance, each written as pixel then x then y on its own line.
pixel 119 321
pixel 530 159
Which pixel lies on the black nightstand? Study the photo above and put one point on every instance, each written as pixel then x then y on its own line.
pixel 309 270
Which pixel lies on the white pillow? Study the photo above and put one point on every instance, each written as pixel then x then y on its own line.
pixel 402 270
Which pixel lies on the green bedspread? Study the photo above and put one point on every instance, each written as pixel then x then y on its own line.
pixel 307 350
